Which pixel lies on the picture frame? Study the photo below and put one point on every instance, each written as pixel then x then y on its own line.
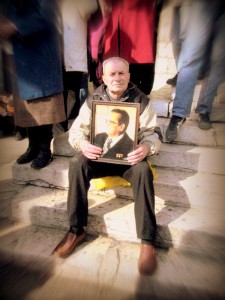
pixel 116 122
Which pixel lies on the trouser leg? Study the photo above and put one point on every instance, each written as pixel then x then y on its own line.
pixel 143 76
pixel 38 135
pixel 217 70
pixel 141 178
pixel 82 170
pixel 202 15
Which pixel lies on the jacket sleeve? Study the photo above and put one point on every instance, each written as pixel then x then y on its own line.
pixel 146 133
pixel 80 130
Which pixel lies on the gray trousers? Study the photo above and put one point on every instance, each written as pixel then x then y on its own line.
pixel 82 170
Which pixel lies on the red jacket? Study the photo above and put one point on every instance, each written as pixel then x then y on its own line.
pixel 135 20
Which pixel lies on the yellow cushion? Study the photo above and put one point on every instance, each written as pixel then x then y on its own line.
pixel 111 181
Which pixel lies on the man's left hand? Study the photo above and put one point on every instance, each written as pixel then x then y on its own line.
pixel 137 155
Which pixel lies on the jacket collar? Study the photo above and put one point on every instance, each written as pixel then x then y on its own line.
pixel 101 91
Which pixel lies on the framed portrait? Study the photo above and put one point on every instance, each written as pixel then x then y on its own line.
pixel 114 128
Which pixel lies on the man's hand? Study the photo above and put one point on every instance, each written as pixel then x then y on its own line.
pixel 90 151
pixel 137 155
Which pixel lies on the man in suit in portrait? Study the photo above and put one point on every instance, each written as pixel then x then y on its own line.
pixel 116 143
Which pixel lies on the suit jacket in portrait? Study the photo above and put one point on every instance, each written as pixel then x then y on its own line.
pixel 119 150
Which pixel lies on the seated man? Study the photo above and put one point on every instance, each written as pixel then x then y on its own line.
pixel 84 166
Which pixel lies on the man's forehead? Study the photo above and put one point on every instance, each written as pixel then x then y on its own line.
pixel 115 66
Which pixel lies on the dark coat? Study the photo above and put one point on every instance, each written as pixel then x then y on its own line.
pixel 37 48
pixel 119 150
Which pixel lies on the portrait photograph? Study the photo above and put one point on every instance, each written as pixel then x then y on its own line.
pixel 114 129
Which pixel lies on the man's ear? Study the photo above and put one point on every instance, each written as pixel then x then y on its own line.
pixel 122 127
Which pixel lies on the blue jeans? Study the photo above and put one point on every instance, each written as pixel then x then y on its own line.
pixel 217 69
pixel 193 50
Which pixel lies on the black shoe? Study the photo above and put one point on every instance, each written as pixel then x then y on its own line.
pixel 172 81
pixel 173 128
pixel 204 121
pixel 42 160
pixel 28 156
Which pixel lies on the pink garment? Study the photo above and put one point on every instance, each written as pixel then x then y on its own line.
pixel 96 29
pixel 131 21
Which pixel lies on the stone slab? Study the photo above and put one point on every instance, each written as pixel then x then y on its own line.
pixel 191 158
pixel 190 134
pixel 196 190
pixel 183 188
pixel 178 158
pixel 102 267
pixel 161 107
pixel 188 228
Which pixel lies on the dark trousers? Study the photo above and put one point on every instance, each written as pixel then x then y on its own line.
pixel 72 82
pixel 82 170
pixel 143 76
pixel 40 136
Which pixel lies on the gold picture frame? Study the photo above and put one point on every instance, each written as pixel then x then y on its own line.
pixel 119 118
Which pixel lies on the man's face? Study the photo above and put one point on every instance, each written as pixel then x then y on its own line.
pixel 114 127
pixel 116 77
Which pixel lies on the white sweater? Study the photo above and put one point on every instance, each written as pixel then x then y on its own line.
pixel 75 15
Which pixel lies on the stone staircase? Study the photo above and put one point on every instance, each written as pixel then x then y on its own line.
pixel 190 207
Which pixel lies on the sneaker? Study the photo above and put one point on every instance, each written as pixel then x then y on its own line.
pixel 173 128
pixel 172 81
pixel 204 121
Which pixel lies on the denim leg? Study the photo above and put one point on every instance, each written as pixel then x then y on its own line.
pixel 179 28
pixel 202 15
pixel 217 69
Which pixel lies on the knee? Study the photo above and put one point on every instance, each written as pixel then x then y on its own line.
pixel 77 162
pixel 143 169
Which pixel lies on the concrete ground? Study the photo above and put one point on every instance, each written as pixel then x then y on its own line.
pixel 102 268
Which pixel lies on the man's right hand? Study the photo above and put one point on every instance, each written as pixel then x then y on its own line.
pixel 90 151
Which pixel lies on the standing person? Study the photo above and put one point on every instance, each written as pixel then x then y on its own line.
pixel 128 31
pixel 75 16
pixel 38 99
pixel 200 34
pixel 116 88
pixel 215 75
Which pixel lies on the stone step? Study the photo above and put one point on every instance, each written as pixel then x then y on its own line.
pixel 190 229
pixel 190 134
pixel 181 188
pixel 102 267
pixel 191 141
pixel 178 158
pixel 162 101
pixel 190 158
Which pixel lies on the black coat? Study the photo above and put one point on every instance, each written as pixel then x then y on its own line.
pixel 119 150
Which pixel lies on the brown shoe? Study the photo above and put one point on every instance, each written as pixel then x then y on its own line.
pixel 68 244
pixel 147 261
